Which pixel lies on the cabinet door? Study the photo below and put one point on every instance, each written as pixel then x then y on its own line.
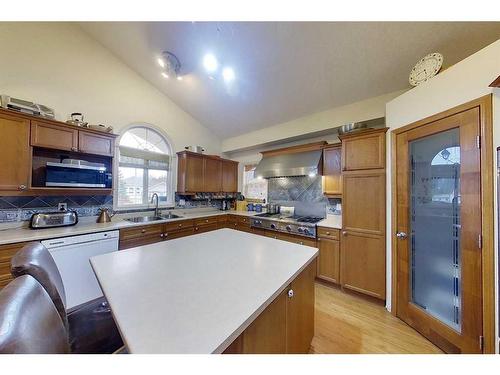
pixel 332 169
pixel 139 236
pixel 212 175
pixel 267 333
pixel 53 136
pixel 363 202
pixel 91 143
pixel 364 151
pixel 329 260
pixel 363 263
pixel 300 311
pixel 194 173
pixel 229 176
pixel 14 153
pixel 6 254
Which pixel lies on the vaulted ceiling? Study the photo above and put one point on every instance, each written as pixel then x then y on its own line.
pixel 284 70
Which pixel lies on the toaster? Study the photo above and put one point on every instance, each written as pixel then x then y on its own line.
pixel 42 220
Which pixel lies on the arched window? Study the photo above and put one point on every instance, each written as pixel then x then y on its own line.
pixel 143 168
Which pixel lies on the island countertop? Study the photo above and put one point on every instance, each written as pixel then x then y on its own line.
pixel 196 294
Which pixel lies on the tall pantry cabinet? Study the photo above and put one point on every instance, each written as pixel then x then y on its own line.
pixel 363 212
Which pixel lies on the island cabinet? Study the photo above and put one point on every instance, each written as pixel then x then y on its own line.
pixel 198 173
pixel 363 251
pixel 239 222
pixel 332 171
pixel 286 325
pixel 15 156
pixel 6 254
pixel 329 254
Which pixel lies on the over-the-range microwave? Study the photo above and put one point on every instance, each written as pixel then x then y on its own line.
pixel 77 173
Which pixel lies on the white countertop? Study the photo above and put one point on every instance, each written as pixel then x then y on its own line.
pixel 88 225
pixel 332 221
pixel 196 294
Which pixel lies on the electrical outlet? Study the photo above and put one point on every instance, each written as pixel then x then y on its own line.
pixel 62 206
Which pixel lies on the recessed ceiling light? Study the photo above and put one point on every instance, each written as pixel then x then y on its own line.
pixel 228 74
pixel 165 75
pixel 161 62
pixel 210 63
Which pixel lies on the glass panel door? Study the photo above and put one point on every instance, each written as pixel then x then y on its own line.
pixel 435 272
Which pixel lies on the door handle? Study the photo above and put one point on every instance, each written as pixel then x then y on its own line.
pixel 401 235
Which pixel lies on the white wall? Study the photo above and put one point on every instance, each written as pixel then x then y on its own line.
pixel 463 82
pixel 59 65
pixel 316 122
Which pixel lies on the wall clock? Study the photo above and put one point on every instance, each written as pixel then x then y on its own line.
pixel 426 68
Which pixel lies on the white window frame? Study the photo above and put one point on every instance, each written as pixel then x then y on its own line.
pixel 170 175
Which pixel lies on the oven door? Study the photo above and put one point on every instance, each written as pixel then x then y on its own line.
pixel 63 176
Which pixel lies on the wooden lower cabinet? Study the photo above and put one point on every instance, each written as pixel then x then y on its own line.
pixel 363 263
pixel 140 236
pixel 286 325
pixel 329 260
pixel 299 240
pixel 6 254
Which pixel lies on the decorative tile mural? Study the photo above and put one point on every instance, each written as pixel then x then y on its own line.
pixel 21 208
pixel 302 192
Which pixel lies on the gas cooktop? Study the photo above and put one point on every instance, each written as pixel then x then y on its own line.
pixel 300 225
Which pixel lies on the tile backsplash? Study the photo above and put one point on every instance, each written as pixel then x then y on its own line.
pixel 21 208
pixel 302 192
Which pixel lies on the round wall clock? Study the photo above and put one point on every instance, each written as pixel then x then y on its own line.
pixel 426 68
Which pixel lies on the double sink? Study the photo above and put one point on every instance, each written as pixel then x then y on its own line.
pixel 147 219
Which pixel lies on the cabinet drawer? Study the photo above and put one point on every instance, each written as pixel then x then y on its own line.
pixel 205 228
pixel 205 221
pixel 142 231
pixel 232 218
pixel 176 225
pixel 140 241
pixel 331 233
pixel 243 219
pixel 179 233
pixel 222 218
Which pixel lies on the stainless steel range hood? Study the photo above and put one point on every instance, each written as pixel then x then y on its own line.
pixel 286 165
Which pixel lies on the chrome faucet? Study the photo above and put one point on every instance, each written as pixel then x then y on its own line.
pixel 157 211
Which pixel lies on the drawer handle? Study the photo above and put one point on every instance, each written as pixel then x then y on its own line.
pixel 143 230
pixel 206 221
pixel 180 225
pixel 161 235
pixel 196 228
pixel 22 187
pixel 327 233
pixel 165 234
pixel 290 293
pixel 344 233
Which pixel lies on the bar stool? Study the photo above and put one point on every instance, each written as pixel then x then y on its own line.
pixel 29 321
pixel 90 326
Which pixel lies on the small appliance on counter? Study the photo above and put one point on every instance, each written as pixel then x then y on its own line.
pixel 105 216
pixel 226 205
pixel 25 106
pixel 53 219
pixel 77 173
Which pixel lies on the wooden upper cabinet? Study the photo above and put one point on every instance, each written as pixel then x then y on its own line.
pixel 332 170
pixel 197 173
pixel 91 143
pixel 229 176
pixel 15 153
pixel 363 150
pixel 212 175
pixel 53 136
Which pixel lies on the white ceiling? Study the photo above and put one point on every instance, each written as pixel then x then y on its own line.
pixel 284 70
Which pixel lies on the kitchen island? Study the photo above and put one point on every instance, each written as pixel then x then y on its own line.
pixel 215 292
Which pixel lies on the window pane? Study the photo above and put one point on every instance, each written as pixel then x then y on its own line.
pixel 157 183
pixel 144 139
pixel 130 186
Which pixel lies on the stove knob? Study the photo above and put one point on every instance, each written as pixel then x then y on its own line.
pixel 289 228
pixel 307 231
pixel 273 226
pixel 300 230
pixel 257 222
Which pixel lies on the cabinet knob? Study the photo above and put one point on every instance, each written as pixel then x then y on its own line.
pixel 165 235
pixel 196 228
pixel 327 233
pixel 319 239
pixel 206 221
pixel 301 242
pixel 344 233
pixel 143 230
pixel 180 225
pixel 401 235
pixel 74 149
pixel 161 235
pixel 22 187
pixel 290 293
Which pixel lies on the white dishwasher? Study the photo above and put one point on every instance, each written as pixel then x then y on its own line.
pixel 72 255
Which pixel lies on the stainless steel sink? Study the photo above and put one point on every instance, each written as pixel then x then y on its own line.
pixel 171 216
pixel 144 219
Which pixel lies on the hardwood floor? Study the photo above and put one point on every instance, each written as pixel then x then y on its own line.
pixel 349 324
